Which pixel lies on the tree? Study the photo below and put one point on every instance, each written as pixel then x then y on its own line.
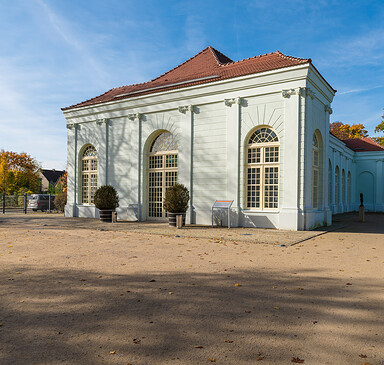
pixel 18 173
pixel 380 128
pixel 61 193
pixel 346 131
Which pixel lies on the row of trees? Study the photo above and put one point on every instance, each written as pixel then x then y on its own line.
pixel 19 173
pixel 346 131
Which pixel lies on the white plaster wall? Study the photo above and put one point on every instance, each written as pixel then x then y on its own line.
pixel 209 159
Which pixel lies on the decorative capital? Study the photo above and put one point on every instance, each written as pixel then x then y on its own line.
pixel 230 102
pixel 328 109
pixel 134 116
pixel 287 93
pixel 72 126
pixel 310 93
pixel 186 108
pixel 102 121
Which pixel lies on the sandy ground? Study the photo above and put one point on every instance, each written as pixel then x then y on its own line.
pixel 73 294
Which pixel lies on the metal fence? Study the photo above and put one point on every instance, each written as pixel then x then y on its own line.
pixel 24 203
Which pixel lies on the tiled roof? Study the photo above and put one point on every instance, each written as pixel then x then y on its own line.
pixel 209 65
pixel 363 144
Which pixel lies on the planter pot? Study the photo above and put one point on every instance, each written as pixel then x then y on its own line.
pixel 172 219
pixel 106 215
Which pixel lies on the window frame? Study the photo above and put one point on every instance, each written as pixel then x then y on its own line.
pixel 263 167
pixel 88 177
pixel 163 169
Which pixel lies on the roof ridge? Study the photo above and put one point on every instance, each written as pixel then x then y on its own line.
pixel 181 64
pixel 282 55
pixel 250 58
pixel 217 53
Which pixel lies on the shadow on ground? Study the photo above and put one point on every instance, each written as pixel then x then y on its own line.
pixel 68 316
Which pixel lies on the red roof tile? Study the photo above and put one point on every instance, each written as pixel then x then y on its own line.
pixel 209 65
pixel 363 144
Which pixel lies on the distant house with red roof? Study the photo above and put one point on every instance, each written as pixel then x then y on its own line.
pixel 254 131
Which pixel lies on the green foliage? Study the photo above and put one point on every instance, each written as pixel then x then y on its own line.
pixel 106 198
pixel 176 199
pixel 18 171
pixel 60 200
pixel 380 128
pixel 346 131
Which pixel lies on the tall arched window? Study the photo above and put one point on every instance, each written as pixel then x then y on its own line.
pixel 330 183
pixel 343 187
pixel 262 170
pixel 315 171
pixel 88 174
pixel 349 188
pixel 337 185
pixel 162 172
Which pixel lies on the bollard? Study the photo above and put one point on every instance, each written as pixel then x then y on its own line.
pixel 3 202
pixel 25 203
pixel 179 221
pixel 361 213
pixel 114 217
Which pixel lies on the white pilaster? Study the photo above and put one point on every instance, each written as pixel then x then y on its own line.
pixel 233 112
pixel 185 169
pixel 289 186
pixel 104 135
pixel 137 165
pixel 379 203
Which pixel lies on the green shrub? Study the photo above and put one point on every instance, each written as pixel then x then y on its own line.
pixel 176 199
pixel 106 198
pixel 60 200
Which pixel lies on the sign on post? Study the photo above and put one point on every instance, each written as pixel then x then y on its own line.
pixel 223 204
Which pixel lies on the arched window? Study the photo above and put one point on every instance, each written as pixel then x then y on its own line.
pixel 262 170
pixel 315 171
pixel 162 172
pixel 330 183
pixel 337 185
pixel 349 188
pixel 343 187
pixel 88 174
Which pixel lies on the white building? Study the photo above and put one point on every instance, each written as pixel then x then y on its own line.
pixel 254 131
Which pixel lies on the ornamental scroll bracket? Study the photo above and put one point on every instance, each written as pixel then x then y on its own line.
pixel 186 108
pixel 134 116
pixel 73 126
pixel 288 92
pixel 102 121
pixel 230 102
pixel 328 109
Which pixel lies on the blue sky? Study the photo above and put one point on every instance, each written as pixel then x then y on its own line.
pixel 55 53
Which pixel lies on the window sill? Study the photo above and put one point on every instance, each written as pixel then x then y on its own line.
pixel 256 211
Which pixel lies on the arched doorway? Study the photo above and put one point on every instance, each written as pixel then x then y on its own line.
pixel 162 172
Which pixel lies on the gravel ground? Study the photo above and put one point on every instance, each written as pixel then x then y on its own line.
pixel 73 294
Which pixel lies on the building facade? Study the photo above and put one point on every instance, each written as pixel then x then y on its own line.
pixel 254 131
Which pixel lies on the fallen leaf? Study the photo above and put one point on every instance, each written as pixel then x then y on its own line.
pixel 112 352
pixel 237 284
pixel 136 341
pixel 297 360
pixel 198 347
pixel 363 356
pixel 260 358
pixel 275 307
pixel 170 292
pixel 228 341
pixel 212 359
pixel 348 284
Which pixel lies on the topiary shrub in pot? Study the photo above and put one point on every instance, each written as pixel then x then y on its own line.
pixel 176 202
pixel 106 200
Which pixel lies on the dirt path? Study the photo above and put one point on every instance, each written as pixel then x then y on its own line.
pixel 85 296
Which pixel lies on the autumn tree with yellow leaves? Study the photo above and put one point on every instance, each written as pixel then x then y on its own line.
pixel 18 173
pixel 347 131
pixel 380 129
